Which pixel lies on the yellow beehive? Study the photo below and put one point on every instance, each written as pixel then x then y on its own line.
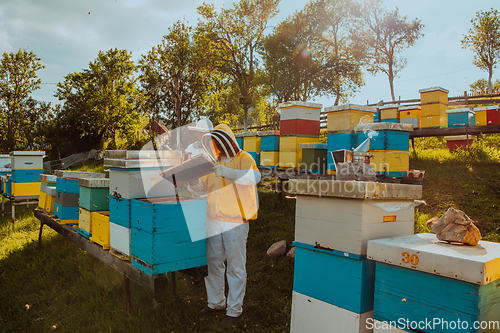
pixel 100 228
pixel 84 220
pixel 292 143
pixel 41 199
pixel 389 112
pixel 269 158
pixel 290 159
pixel 25 189
pixel 345 117
pixel 251 144
pixel 331 172
pixel 435 109
pixel 410 112
pixel 434 121
pixel 481 116
pixel 433 95
pixel 390 160
pixel 49 204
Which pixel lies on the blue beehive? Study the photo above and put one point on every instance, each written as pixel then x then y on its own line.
pixel 386 140
pixel 256 157
pixel 240 142
pixel 419 278
pixel 338 278
pixel 461 117
pixel 337 141
pixel 119 211
pixel 270 143
pixel 391 120
pixel 26 176
pixel 162 230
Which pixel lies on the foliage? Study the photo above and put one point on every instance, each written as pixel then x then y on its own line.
pixel 484 40
pixel 99 103
pixel 174 77
pixel 233 39
pixel 480 87
pixel 21 116
pixel 390 34
pixel 316 51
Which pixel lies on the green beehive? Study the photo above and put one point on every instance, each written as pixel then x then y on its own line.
pixel 94 194
pixel 314 157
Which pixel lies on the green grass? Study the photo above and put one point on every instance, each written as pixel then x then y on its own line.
pixel 465 180
pixel 67 287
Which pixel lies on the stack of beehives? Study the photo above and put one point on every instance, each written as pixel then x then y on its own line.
pixel 47 196
pixel 434 103
pixel 389 145
pixel 26 168
pixel 269 148
pixel 333 280
pixel 251 144
pixel 341 121
pixel 299 123
pixel 66 206
pixel 94 208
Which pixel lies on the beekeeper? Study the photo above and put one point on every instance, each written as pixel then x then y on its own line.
pixel 232 202
pixel 202 127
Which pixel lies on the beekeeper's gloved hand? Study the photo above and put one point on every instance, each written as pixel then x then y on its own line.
pixel 221 171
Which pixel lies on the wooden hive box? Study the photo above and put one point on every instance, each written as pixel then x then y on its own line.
pixel 389 112
pixel 119 211
pixel 67 214
pixel 27 160
pixel 438 121
pixel 342 279
pixel 26 176
pixel 314 156
pixel 410 115
pixel 50 200
pixel 312 315
pixel 345 117
pixel 251 143
pixel 85 221
pixel 480 116
pixel 390 163
pixel 269 158
pixel 162 233
pixel 419 278
pixel 300 118
pixel 338 141
pixel 433 95
pixel 25 189
pixel 94 194
pixel 461 117
pixel 492 115
pixel 256 157
pixel 119 238
pixel 270 143
pixel 100 228
pixel 387 140
pixel 344 215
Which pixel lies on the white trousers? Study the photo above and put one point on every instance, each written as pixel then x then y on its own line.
pixel 226 240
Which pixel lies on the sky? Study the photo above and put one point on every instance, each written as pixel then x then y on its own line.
pixel 68 34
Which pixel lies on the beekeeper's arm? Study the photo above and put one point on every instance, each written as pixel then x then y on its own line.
pixel 195 187
pixel 248 173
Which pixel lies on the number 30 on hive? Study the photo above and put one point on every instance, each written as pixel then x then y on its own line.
pixel 407 258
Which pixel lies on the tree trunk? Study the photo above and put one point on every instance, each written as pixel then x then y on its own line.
pixel 490 74
pixel 391 85
pixel 245 110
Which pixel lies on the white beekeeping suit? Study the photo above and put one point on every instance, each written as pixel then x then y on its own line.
pixel 202 127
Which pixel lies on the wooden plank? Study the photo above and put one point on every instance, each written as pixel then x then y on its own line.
pixel 155 283
pixel 454 131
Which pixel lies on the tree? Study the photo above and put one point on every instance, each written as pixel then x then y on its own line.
pixel 174 77
pixel 481 87
pixel 101 100
pixel 235 36
pixel 390 34
pixel 484 40
pixel 18 79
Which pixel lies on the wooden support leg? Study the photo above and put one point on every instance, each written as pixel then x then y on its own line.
pixel 3 205
pixel 174 284
pixel 126 289
pixel 280 188
pixel 13 216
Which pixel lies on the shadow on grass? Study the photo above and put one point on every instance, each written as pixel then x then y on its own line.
pixel 60 284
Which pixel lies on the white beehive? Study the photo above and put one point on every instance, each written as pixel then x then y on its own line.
pixel 343 216
pixel 323 317
pixel 119 238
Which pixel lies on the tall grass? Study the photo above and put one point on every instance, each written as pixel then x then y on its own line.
pixel 468 180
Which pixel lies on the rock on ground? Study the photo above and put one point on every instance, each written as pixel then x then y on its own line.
pixel 291 253
pixel 277 249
